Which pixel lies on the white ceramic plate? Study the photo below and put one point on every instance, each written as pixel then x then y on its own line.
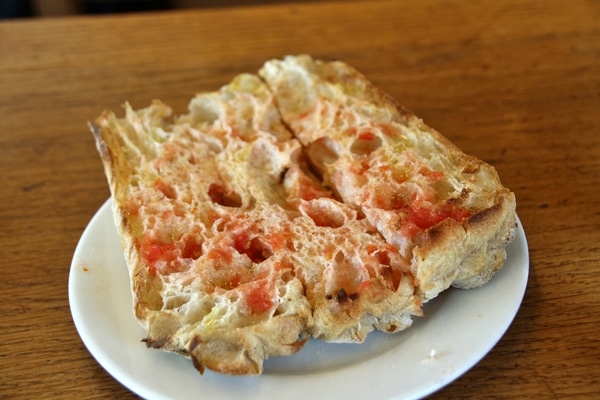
pixel 458 329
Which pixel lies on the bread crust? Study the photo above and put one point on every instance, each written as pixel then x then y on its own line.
pixel 301 203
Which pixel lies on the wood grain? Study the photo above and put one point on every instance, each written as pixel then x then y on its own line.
pixel 516 83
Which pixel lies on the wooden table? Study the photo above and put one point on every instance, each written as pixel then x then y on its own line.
pixel 516 83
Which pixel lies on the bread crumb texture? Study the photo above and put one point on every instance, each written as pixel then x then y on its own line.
pixel 297 202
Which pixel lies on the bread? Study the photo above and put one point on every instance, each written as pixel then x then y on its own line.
pixel 447 212
pixel 300 202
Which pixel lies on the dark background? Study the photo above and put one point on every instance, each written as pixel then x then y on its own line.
pixel 11 9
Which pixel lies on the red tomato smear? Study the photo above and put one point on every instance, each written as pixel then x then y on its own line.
pixel 360 167
pixel 165 257
pixel 241 242
pixel 259 300
pixel 425 218
pixel 192 248
pixel 160 257
pixel 366 136
pixel 221 254
pixel 216 192
pixel 278 241
pixel 371 248
pixel 384 258
pixel 235 281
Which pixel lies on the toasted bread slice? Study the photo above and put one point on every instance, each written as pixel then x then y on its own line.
pixel 235 251
pixel 304 202
pixel 446 212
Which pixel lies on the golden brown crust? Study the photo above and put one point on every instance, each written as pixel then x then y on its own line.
pixel 465 255
pixel 307 204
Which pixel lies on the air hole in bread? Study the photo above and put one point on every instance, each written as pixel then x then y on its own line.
pixel 344 278
pixel 192 247
pixel 323 213
pixel 281 309
pixel 301 159
pixel 365 143
pixel 383 257
pixel 322 152
pixel 254 248
pixel 219 225
pixel 282 291
pixel 286 277
pixel 282 175
pixel 390 273
pixel 220 195
pixel 284 303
